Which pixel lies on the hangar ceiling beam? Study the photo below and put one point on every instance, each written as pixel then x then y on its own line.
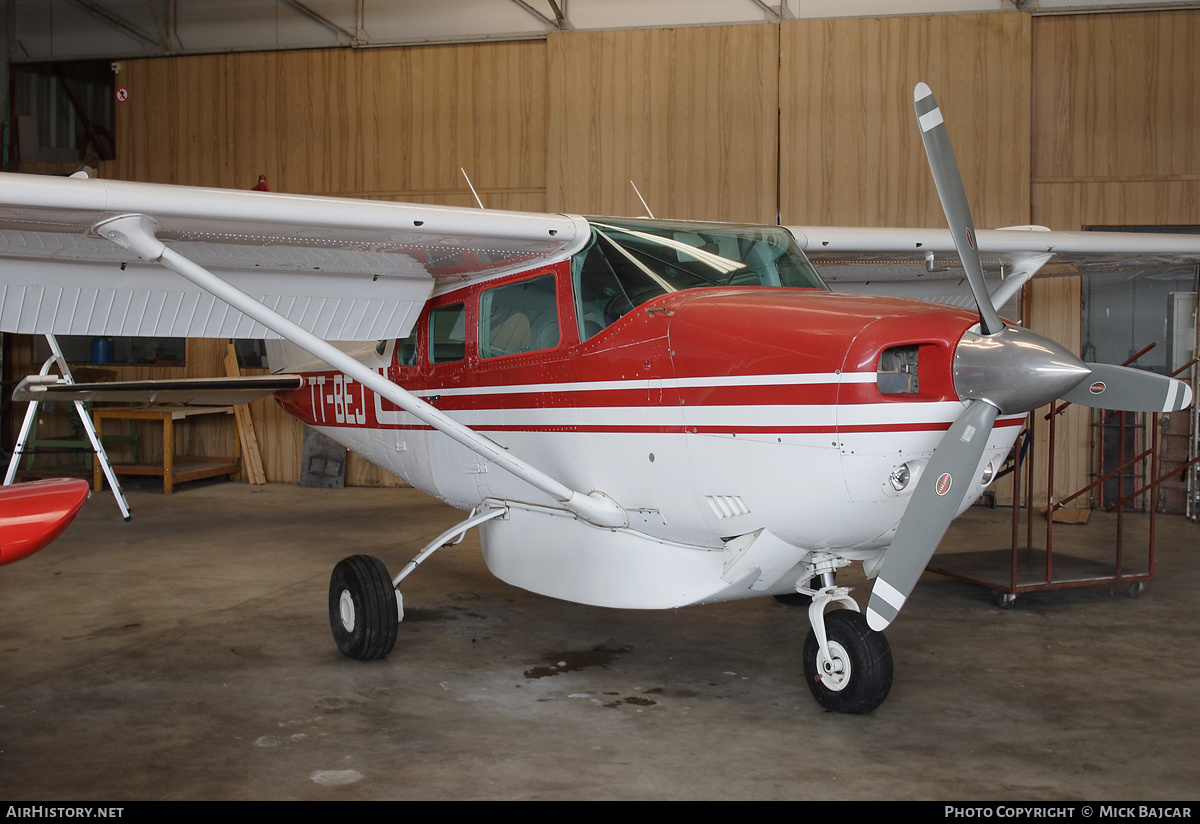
pixel 775 15
pixel 559 7
pixel 560 13
pixel 117 22
pixel 165 32
pixel 319 19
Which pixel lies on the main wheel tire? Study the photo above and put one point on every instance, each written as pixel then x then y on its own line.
pixel 362 608
pixel 860 675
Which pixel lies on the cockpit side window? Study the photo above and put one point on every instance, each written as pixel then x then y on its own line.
pixel 609 283
pixel 518 317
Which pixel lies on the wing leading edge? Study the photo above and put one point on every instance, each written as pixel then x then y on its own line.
pixel 846 255
pixel 342 269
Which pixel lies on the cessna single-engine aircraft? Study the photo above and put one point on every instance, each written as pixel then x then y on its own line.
pixel 635 413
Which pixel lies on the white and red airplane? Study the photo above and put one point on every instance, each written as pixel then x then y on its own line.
pixel 636 413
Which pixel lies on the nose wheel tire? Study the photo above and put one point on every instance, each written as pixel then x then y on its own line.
pixel 857 674
pixel 362 608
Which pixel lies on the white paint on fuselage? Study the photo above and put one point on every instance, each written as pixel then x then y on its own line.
pixel 816 490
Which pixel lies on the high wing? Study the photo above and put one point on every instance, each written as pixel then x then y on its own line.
pixel 894 260
pixel 342 269
pixel 95 257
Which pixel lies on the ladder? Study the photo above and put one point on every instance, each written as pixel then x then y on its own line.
pixel 56 359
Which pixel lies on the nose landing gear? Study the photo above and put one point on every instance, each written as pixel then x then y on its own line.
pixel 847 665
pixel 852 671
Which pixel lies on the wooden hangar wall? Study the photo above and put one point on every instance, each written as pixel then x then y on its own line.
pixel 1067 121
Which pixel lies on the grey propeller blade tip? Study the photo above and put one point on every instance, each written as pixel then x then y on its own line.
pixel 1126 389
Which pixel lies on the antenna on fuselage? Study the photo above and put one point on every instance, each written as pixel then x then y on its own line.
pixel 639 194
pixel 477 200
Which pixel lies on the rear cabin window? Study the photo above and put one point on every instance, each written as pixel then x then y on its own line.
pixel 448 333
pixel 518 317
pixel 406 349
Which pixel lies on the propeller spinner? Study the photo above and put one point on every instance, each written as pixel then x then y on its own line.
pixel 1000 369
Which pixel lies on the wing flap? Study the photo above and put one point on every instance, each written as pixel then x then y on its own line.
pixel 188 391
pixel 151 302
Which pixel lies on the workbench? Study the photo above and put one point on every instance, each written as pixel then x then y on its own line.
pixel 173 468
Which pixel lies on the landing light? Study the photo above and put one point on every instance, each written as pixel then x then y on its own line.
pixel 900 477
pixel 989 472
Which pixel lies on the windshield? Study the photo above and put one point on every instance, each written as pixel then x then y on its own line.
pixel 628 262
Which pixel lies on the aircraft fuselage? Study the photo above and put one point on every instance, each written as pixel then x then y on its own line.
pixel 707 413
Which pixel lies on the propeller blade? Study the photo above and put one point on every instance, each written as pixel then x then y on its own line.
pixel 1126 389
pixel 954 202
pixel 1003 368
pixel 934 503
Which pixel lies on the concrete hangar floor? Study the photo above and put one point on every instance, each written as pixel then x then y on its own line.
pixel 187 655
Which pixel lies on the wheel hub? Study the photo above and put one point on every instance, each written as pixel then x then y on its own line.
pixel 346 610
pixel 835 668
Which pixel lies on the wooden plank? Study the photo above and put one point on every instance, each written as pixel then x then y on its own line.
pixel 344 121
pixel 689 114
pixel 1118 95
pixel 1115 111
pixel 850 150
pixel 251 456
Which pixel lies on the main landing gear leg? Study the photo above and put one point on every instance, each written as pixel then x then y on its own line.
pixel 847 665
pixel 365 606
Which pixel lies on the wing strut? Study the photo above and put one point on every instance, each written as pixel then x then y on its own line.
pixel 136 232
